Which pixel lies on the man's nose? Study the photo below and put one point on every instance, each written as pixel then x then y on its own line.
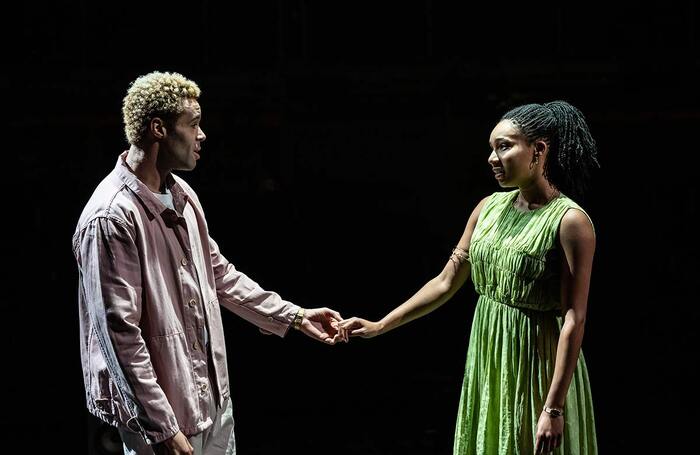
pixel 201 137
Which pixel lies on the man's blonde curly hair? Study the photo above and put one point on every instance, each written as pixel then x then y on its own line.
pixel 154 95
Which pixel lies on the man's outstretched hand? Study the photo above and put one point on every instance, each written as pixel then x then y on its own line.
pixel 322 324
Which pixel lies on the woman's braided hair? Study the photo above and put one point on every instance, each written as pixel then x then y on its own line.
pixel 572 150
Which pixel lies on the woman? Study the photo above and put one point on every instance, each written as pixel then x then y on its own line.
pixel 529 252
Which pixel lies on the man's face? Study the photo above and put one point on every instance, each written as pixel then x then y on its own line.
pixel 181 146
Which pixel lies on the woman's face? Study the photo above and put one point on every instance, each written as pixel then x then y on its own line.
pixel 513 160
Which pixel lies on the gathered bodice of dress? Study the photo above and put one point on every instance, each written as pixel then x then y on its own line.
pixel 515 259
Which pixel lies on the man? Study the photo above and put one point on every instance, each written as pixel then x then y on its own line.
pixel 152 280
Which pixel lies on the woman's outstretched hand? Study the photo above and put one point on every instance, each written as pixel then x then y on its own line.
pixel 358 327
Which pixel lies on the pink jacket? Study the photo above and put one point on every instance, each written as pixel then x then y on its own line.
pixel 151 281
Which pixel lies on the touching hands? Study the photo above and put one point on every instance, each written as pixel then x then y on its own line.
pixel 358 327
pixel 328 326
pixel 322 324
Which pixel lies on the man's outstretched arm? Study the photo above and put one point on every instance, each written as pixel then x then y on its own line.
pixel 266 309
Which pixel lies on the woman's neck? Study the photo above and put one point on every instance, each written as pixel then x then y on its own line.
pixel 536 195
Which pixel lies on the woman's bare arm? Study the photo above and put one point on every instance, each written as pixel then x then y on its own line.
pixel 431 296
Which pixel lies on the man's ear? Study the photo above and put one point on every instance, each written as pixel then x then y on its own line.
pixel 157 128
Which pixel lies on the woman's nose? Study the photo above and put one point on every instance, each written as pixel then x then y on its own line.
pixel 493 158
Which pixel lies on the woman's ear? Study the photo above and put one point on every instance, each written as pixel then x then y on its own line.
pixel 541 147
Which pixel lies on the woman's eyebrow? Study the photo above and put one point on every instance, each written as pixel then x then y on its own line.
pixel 500 138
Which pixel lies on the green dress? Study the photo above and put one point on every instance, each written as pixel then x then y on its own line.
pixel 515 267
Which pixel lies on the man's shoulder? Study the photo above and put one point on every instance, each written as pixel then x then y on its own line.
pixel 110 199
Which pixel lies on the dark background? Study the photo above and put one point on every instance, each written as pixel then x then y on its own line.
pixel 347 144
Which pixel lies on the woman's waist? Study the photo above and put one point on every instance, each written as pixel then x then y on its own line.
pixel 521 304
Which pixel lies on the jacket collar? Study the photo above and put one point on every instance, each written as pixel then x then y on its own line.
pixel 150 202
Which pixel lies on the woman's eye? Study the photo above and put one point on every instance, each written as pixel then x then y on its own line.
pixel 503 146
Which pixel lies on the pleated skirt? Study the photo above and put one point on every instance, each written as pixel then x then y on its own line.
pixel 510 364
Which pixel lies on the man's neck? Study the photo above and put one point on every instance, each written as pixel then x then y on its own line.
pixel 143 163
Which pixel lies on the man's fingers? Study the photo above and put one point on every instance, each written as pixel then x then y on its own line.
pixel 314 332
pixel 334 313
pixel 337 337
pixel 358 332
pixel 329 326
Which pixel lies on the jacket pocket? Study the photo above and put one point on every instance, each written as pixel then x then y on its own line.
pixel 103 395
pixel 170 360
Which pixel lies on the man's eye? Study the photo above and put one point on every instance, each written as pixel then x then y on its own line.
pixel 503 146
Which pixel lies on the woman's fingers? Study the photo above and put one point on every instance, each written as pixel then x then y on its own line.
pixel 358 332
pixel 557 442
pixel 548 444
pixel 347 323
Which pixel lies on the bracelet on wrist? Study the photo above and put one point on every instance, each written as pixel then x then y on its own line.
pixel 553 412
pixel 298 319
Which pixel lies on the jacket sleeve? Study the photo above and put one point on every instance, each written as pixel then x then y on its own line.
pixel 111 272
pixel 247 299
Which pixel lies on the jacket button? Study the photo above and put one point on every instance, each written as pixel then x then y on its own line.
pixel 195 345
pixel 192 303
pixel 270 318
pixel 184 261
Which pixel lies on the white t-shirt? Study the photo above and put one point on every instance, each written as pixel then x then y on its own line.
pixel 166 198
